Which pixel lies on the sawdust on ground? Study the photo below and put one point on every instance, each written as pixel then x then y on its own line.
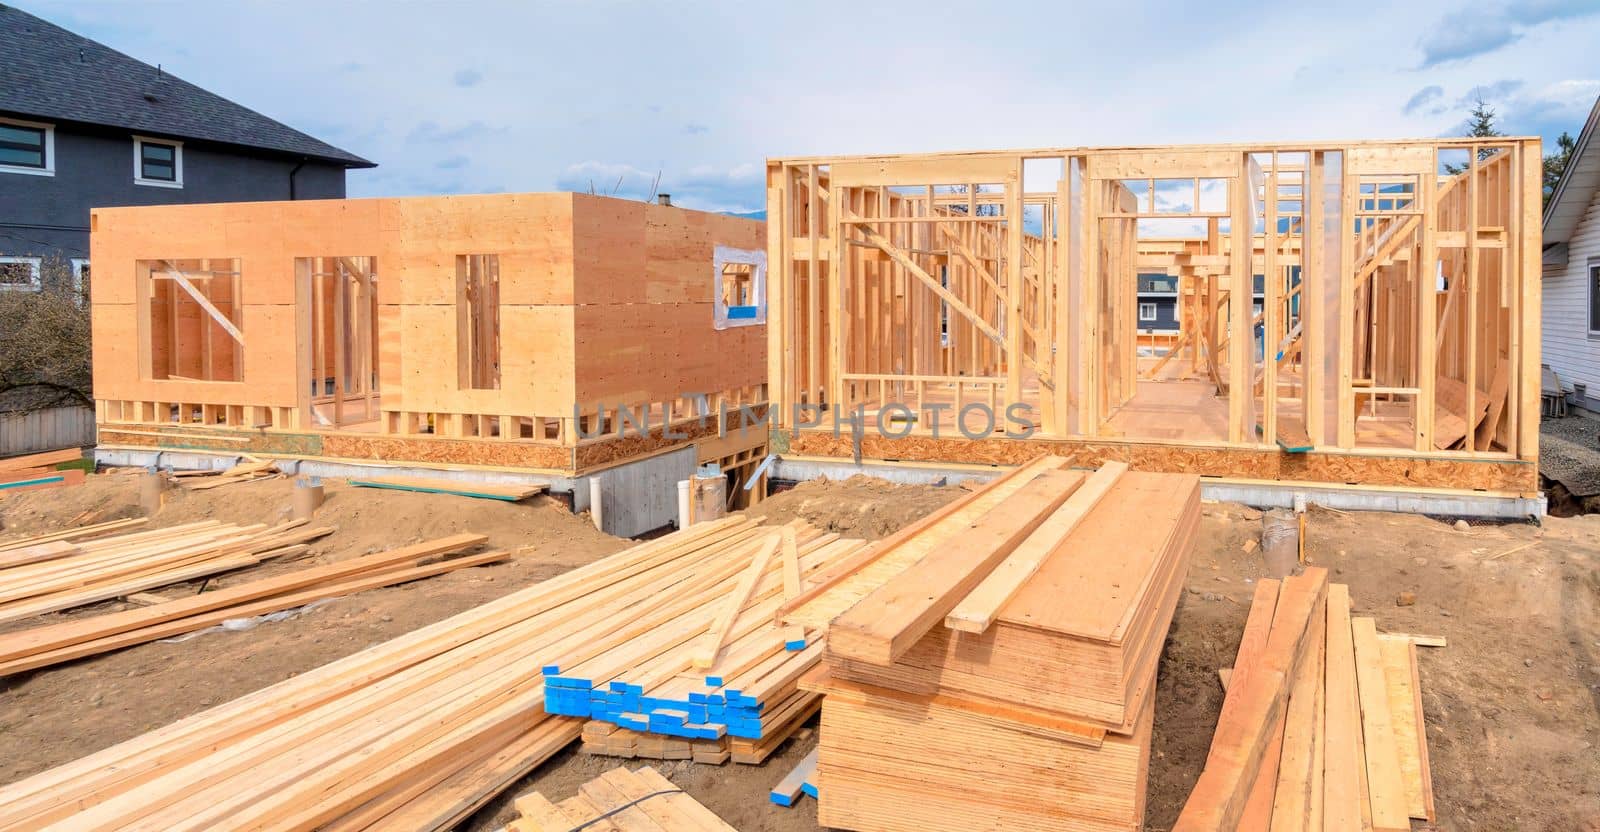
pixel 1512 704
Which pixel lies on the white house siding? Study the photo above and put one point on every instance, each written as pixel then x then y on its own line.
pixel 1568 349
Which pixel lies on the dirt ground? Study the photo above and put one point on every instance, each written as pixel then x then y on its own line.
pixel 1512 704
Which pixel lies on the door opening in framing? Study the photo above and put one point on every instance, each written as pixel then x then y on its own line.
pixel 342 348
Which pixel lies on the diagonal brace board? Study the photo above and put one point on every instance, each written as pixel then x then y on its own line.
pixel 205 303
pixel 978 610
pixel 905 261
pixel 706 653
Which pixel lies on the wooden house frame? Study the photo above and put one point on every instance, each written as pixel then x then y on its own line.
pixel 559 334
pixel 1396 343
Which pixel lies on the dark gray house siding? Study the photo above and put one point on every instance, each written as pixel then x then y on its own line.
pixel 45 215
pixel 94 103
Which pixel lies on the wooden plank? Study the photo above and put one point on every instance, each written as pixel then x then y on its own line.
pixel 489 491
pixel 1342 761
pixel 1253 710
pixel 1385 785
pixel 1410 745
pixel 1301 760
pixel 38 553
pixel 41 460
pixel 705 654
pixel 79 533
pixel 978 610
pixel 885 624
pixel 788 790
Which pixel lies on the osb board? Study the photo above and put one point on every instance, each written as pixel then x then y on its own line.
pixel 637 352
pixel 488 452
pixel 634 443
pixel 1235 463
pixel 201 438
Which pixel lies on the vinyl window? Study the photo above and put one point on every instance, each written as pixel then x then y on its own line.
pixel 157 162
pixel 27 147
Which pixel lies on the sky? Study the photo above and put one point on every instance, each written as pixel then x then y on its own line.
pixel 486 96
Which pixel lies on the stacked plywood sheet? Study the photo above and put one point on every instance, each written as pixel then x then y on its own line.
pixel 993 665
pixel 418 732
pixel 1322 725
pixel 621 801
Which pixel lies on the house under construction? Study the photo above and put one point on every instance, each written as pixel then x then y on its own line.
pixel 555 335
pixel 981 307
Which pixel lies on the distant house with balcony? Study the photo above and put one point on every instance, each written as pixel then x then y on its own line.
pixel 84 126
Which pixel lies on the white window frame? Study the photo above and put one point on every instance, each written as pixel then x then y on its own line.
pixel 1155 313
pixel 138 162
pixel 36 284
pixel 49 168
pixel 757 260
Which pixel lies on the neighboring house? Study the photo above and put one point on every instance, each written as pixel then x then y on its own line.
pixel 84 126
pixel 1571 316
pixel 1158 302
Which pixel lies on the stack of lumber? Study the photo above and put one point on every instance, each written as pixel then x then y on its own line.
pixel 246 471
pixel 1322 724
pixel 46 574
pixel 1023 622
pixel 735 694
pixel 800 780
pixel 42 646
pixel 508 492
pixel 420 731
pixel 635 801
pixel 39 470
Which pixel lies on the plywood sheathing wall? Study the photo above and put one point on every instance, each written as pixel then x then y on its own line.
pixel 264 238
pixel 644 305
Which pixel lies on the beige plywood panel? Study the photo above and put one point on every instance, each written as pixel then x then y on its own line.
pixel 536 362
pixel 531 233
pixel 651 352
pixel 116 351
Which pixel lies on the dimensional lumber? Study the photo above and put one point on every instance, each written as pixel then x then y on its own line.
pixel 113 567
pixel 341 747
pixel 40 646
pixel 1254 708
pixel 51 479
pixel 906 287
pixel 637 801
pixel 1093 659
pixel 793 784
pixel 977 611
pixel 884 625
pixel 1386 790
pixel 485 490
pixel 41 460
pixel 79 533
pixel 1342 713
pixel 1042 721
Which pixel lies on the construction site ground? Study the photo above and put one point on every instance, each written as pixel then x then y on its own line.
pixel 1512 703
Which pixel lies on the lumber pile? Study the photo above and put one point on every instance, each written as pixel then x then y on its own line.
pixel 248 470
pixel 418 732
pixel 993 665
pixel 740 681
pixel 1321 728
pixel 37 647
pixel 508 492
pixel 636 801
pixel 39 470
pixel 52 572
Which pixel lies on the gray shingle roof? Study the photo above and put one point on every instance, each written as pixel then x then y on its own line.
pixel 53 74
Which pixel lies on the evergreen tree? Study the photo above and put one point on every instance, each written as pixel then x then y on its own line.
pixel 1556 162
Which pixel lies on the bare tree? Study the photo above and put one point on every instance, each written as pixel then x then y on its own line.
pixel 44 339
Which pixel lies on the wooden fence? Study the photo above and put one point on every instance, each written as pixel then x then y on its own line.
pixel 32 431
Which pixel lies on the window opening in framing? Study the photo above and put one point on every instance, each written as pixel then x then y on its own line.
pixel 478 321
pixel 740 287
pixel 343 342
pixel 194 330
